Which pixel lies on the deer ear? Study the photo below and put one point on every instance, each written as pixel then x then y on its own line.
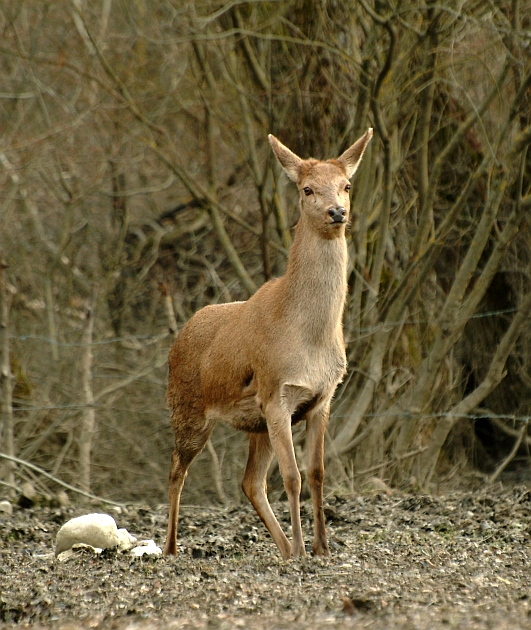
pixel 352 157
pixel 290 162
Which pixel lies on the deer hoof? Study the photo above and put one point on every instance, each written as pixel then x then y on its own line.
pixel 320 550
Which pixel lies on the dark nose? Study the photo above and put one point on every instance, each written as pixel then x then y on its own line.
pixel 337 214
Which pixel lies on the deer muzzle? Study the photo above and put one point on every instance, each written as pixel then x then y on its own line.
pixel 337 214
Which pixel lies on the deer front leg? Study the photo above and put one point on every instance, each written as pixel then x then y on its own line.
pixel 254 486
pixel 279 428
pixel 316 421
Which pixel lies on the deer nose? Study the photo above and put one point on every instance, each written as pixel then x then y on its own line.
pixel 337 214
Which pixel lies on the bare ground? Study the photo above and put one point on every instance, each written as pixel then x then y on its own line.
pixel 397 561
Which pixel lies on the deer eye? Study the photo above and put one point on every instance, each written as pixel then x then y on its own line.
pixel 307 190
pixel 348 187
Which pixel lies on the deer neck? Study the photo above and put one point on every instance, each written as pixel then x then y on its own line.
pixel 316 283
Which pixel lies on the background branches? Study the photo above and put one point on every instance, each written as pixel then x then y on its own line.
pixel 134 157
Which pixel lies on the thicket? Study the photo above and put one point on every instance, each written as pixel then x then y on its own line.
pixel 137 183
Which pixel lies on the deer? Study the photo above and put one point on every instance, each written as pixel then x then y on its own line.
pixel 268 363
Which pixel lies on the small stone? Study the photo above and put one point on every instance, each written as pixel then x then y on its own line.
pixel 126 540
pixel 28 495
pixel 6 508
pixel 146 547
pixel 62 499
pixel 28 491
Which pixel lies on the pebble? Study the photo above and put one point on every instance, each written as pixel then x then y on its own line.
pixel 6 508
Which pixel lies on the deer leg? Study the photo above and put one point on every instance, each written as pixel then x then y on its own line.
pixel 254 486
pixel 279 427
pixel 316 422
pixel 185 452
pixel 177 476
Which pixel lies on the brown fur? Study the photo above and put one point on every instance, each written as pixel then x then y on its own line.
pixel 274 360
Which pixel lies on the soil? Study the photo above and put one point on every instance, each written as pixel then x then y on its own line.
pixel 397 561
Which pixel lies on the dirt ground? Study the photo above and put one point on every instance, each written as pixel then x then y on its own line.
pixel 397 561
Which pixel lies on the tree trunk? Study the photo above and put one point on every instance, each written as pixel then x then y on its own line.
pixel 7 439
pixel 88 420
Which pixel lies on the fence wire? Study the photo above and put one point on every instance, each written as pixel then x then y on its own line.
pixel 166 335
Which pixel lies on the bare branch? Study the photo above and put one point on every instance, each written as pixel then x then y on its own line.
pixel 83 493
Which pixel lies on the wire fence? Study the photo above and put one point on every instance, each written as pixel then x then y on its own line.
pixel 367 415
pixel 80 344
pixel 163 336
pixel 166 336
pixel 133 426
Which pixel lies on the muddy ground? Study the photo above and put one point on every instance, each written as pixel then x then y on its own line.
pixel 397 561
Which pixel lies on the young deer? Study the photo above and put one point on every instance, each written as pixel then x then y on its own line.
pixel 266 364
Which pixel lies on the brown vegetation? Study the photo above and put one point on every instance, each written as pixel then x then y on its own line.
pixel 133 154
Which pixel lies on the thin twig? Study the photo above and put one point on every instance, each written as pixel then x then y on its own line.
pixel 168 307
pixel 392 460
pixel 509 457
pixel 89 495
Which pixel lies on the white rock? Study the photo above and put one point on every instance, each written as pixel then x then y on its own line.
pixel 146 547
pixel 96 530
pixel 126 540
pixel 6 508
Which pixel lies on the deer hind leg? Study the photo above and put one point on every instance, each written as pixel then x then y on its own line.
pixel 187 447
pixel 316 421
pixel 254 486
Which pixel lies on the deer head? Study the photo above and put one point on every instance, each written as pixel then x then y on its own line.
pixel 323 186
